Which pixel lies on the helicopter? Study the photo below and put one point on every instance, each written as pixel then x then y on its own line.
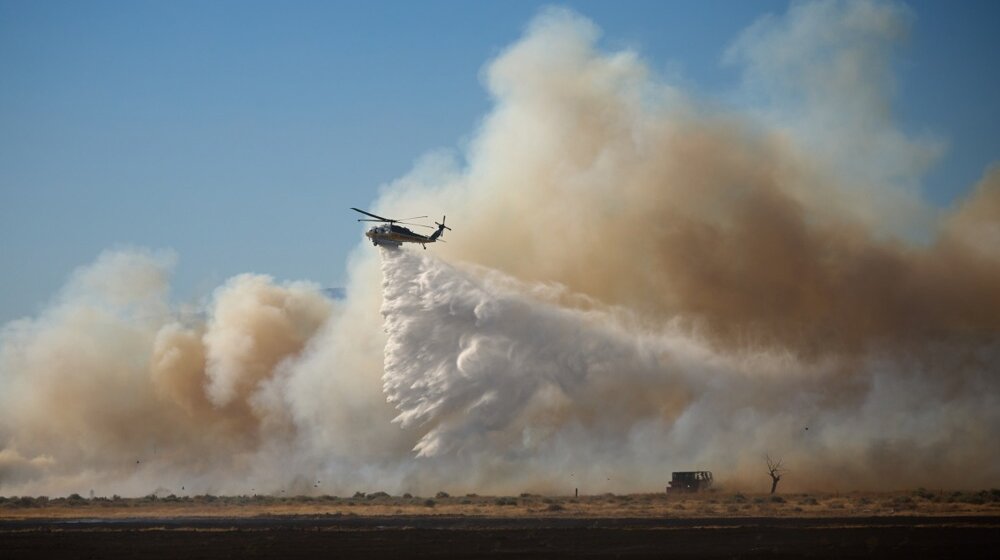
pixel 391 235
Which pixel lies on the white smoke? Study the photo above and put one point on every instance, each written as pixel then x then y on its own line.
pixel 487 366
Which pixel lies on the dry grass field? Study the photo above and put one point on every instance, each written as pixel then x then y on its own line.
pixel 685 506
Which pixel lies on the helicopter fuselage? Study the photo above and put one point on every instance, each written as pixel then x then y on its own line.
pixel 391 235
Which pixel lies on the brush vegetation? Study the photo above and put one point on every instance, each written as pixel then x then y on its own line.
pixel 711 504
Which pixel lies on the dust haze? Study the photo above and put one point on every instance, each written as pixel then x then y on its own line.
pixel 639 280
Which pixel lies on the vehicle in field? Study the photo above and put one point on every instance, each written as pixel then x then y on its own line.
pixel 689 482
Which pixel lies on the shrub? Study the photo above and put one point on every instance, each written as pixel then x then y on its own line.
pixel 554 507
pixel 903 502
pixel 506 501
pixel 408 496
pixel 442 495
pixel 376 495
pixel 777 500
pixel 429 503
pixel 978 498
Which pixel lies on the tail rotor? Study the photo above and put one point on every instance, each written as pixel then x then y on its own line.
pixel 441 228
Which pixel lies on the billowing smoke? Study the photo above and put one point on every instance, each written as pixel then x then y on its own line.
pixel 638 281
pixel 534 379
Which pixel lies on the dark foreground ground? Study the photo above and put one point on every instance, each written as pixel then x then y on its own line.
pixel 454 536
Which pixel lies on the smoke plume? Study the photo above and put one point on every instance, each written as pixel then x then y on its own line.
pixel 638 281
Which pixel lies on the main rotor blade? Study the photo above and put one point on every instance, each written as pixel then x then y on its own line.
pixel 413 224
pixel 379 221
pixel 372 215
pixel 413 218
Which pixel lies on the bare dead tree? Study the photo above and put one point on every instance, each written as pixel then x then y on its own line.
pixel 775 471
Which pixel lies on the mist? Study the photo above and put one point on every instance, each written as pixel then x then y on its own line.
pixel 638 281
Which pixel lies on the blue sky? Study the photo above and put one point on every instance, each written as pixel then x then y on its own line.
pixel 238 134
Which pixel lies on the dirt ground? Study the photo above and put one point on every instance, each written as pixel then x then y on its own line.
pixel 713 525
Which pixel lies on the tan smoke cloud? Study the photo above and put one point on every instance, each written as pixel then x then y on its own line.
pixel 106 379
pixel 638 281
pixel 975 223
pixel 592 175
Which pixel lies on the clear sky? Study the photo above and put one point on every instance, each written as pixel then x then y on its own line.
pixel 238 133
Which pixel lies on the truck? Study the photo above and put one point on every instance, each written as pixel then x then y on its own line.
pixel 689 481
